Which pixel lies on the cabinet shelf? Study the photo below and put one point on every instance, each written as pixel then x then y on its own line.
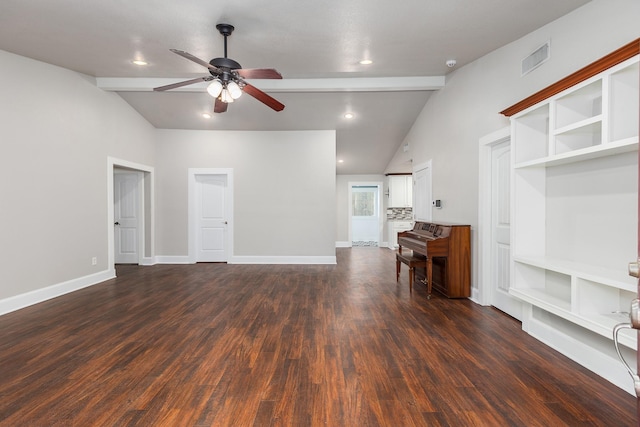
pixel 579 125
pixel 600 323
pixel 593 152
pixel 542 299
pixel 617 278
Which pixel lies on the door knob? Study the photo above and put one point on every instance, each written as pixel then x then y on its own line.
pixel 634 271
pixel 116 223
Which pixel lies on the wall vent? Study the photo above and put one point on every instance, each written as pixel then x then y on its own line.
pixel 537 58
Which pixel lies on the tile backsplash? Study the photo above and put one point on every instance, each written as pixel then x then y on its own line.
pixel 400 213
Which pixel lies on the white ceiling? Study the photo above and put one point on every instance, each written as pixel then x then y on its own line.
pixel 316 46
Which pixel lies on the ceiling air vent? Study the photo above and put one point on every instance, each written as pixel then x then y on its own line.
pixel 537 58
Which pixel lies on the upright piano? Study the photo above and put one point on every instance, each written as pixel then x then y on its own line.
pixel 447 250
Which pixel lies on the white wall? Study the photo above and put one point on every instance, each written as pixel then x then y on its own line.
pixel 467 108
pixel 56 131
pixel 284 189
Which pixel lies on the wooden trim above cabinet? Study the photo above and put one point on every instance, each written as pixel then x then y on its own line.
pixel 625 52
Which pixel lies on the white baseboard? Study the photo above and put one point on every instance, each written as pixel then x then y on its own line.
pixel 17 302
pixel 148 261
pixel 254 260
pixel 173 259
pixel 609 368
pixel 283 260
pixel 475 296
pixel 350 245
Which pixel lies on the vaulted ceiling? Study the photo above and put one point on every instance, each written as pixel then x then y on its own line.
pixel 316 46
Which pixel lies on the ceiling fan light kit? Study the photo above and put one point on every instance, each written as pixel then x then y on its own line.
pixel 215 88
pixel 234 90
pixel 227 78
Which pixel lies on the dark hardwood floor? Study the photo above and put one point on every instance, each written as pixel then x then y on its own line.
pixel 261 345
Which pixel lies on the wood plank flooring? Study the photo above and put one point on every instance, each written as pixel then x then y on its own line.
pixel 269 345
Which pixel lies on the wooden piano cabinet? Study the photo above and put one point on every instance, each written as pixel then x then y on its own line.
pixel 449 246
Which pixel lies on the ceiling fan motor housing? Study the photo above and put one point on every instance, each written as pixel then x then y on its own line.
pixel 224 63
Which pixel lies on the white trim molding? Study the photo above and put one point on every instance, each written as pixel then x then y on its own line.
pixel 17 302
pixel 282 260
pixel 173 259
pixel 360 84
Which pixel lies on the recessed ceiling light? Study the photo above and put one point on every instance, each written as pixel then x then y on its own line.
pixel 139 62
pixel 206 115
pixel 340 161
pixel 348 116
pixel 366 62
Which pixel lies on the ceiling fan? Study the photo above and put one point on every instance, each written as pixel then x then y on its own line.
pixel 227 78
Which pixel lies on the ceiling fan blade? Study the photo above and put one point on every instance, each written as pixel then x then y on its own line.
pixel 196 60
pixel 263 97
pixel 259 73
pixel 185 83
pixel 220 107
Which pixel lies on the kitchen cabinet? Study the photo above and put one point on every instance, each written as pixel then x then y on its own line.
pixel 394 227
pixel 400 191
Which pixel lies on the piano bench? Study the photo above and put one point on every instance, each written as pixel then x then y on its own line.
pixel 412 262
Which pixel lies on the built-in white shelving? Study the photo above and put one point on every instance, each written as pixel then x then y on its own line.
pixel 574 211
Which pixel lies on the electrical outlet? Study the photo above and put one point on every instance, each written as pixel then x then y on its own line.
pixel 94 260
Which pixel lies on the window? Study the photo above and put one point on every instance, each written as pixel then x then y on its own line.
pixel 364 200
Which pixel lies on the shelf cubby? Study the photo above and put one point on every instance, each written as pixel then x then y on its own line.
pixel 624 102
pixel 579 104
pixel 587 133
pixel 534 128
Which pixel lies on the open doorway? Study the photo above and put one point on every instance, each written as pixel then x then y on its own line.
pixel 130 213
pixel 365 213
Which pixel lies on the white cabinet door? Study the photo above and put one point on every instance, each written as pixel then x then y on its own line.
pixel 400 191
pixel 394 227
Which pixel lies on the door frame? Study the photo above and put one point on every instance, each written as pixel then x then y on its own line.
pixel 483 295
pixel 192 211
pixel 380 208
pixel 146 253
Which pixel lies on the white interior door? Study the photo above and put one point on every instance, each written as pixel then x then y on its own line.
pixel 211 227
pixel 126 216
pixel 501 230
pixel 422 192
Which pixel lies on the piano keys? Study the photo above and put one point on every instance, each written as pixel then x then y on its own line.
pixel 447 248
